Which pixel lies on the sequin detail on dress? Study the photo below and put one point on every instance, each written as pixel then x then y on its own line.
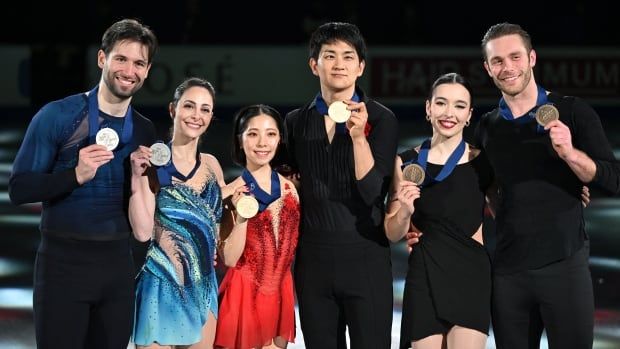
pixel 256 296
pixel 177 286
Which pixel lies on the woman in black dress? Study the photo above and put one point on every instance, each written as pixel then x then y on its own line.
pixel 447 293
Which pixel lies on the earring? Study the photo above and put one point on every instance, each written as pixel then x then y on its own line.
pixel 428 117
pixel 466 123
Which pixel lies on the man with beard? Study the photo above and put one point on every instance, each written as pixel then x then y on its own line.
pixel 74 159
pixel 543 148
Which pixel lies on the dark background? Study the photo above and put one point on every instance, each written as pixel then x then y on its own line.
pixel 60 33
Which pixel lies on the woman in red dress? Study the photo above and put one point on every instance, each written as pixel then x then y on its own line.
pixel 256 294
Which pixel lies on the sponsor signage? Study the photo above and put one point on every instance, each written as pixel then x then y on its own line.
pixel 405 76
pixel 402 76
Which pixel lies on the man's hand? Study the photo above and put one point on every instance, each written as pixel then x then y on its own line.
pixel 90 158
pixel 358 119
pixel 412 237
pixel 585 196
pixel 561 138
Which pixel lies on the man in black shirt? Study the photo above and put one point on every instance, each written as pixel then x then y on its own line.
pixel 541 273
pixel 343 271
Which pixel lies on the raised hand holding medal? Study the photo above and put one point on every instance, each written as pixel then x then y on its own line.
pixel 356 124
pixel 245 204
pixel 559 133
pixel 249 205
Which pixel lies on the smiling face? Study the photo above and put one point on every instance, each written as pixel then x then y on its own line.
pixel 338 66
pixel 509 64
pixel 260 140
pixel 449 109
pixel 125 68
pixel 192 113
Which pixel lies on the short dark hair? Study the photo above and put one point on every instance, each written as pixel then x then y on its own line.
pixel 503 29
pixel 331 32
pixel 240 124
pixel 452 78
pixel 132 30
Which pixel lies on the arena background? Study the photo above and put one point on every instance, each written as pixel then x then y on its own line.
pixel 256 53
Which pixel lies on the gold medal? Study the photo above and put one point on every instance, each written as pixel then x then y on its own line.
pixel 414 173
pixel 338 112
pixel 546 113
pixel 247 206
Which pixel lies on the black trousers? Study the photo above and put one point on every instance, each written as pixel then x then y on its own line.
pixel 558 298
pixel 83 294
pixel 344 286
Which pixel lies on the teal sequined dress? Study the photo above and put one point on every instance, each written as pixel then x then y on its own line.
pixel 177 286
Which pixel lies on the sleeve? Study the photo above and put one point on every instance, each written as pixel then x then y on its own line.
pixel 383 141
pixel 150 136
pixel 590 138
pixel 479 132
pixel 485 171
pixel 31 178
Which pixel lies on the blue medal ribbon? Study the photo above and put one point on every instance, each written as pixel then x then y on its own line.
pixel 166 172
pixel 323 109
pixel 93 120
pixel 541 99
pixel 263 198
pixel 446 170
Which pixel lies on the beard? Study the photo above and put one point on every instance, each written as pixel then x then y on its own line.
pixel 513 90
pixel 121 92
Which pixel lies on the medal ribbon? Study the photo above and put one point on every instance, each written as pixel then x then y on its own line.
pixel 93 120
pixel 446 170
pixel 166 172
pixel 323 109
pixel 263 198
pixel 541 99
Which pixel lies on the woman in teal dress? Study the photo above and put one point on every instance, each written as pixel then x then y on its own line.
pixel 178 206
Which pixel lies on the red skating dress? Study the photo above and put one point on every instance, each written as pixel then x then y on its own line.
pixel 256 296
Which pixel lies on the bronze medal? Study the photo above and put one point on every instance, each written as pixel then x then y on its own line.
pixel 414 173
pixel 546 113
